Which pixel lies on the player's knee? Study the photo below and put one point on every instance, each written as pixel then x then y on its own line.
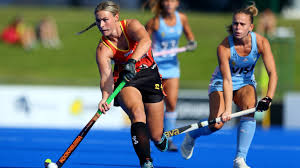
pixel 217 126
pixel 138 115
pixel 248 105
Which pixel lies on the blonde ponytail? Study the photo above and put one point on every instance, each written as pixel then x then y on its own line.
pixel 252 9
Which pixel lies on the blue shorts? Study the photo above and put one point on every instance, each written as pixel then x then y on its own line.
pixel 168 67
pixel 217 85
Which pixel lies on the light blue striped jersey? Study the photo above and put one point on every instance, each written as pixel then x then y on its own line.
pixel 166 38
pixel 242 68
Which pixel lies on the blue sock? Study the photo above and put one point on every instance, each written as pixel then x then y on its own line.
pixel 199 132
pixel 170 120
pixel 245 135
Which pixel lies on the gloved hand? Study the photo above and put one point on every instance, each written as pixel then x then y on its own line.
pixel 129 70
pixel 191 46
pixel 264 104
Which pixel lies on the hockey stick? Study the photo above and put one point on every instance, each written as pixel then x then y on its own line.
pixel 86 129
pixel 194 126
pixel 171 51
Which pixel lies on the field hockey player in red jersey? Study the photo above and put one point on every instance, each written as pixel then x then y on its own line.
pixel 128 44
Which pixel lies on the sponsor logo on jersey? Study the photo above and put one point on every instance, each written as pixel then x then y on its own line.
pixel 178 32
pixel 218 83
pixel 241 70
pixel 143 66
pixel 127 54
pixel 172 30
pixel 254 59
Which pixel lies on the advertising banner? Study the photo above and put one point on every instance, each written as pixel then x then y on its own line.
pixel 55 107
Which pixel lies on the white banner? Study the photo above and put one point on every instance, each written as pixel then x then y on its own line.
pixel 55 107
pixel 192 105
pixel 291 112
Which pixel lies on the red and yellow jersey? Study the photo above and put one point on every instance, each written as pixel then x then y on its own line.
pixel 121 56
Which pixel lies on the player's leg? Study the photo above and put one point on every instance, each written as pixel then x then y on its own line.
pixel 216 107
pixel 245 98
pixel 155 117
pixel 171 87
pixel 131 101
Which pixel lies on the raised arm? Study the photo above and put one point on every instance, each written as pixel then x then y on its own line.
pixel 223 59
pixel 137 32
pixel 103 58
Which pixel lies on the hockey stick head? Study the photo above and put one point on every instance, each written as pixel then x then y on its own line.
pixel 49 164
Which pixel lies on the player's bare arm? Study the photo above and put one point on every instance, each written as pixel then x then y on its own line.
pixel 186 27
pixel 103 58
pixel 152 25
pixel 268 59
pixel 137 32
pixel 192 44
pixel 223 53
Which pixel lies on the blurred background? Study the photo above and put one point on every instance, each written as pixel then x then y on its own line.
pixel 49 77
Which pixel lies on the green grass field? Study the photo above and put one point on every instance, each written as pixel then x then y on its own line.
pixel 74 63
